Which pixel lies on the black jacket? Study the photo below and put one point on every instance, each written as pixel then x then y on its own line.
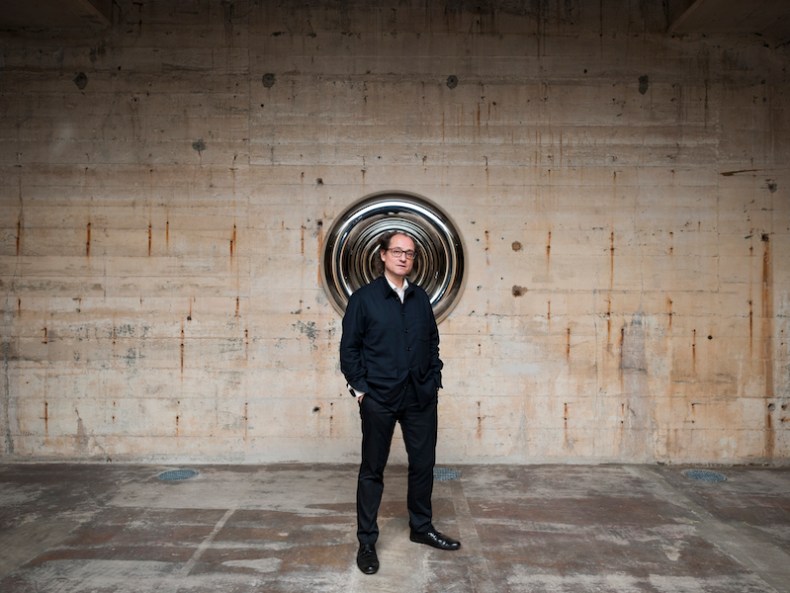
pixel 385 342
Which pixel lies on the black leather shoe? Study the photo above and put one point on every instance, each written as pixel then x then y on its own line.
pixel 435 539
pixel 367 559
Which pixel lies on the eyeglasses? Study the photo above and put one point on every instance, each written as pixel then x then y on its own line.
pixel 397 252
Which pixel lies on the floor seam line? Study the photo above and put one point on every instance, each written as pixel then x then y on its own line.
pixel 190 564
pixel 470 539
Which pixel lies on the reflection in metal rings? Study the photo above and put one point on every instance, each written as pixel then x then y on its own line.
pixel 351 248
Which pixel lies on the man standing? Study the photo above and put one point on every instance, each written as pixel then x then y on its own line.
pixel 389 355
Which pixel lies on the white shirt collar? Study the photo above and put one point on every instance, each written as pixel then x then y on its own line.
pixel 400 291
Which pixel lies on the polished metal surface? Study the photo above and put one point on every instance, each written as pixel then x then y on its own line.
pixel 351 248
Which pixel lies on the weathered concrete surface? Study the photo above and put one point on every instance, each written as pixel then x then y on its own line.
pixel 291 528
pixel 622 194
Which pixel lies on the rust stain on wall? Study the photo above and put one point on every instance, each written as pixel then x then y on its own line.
pixel 88 240
pixel 246 419
pixel 479 431
pixel 670 313
pixel 19 235
pixel 568 343
pixel 694 351
pixel 767 342
pixel 46 419
pixel 608 322
pixel 767 317
pixel 182 348
pixel 621 365
pixel 233 242
pixel 150 238
pixel 611 260
pixel 319 233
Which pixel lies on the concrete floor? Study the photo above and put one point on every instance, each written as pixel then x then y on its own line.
pixel 290 528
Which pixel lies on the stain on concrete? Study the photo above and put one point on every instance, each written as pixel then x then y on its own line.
pixel 644 84
pixel 199 145
pixel 611 260
pixel 19 235
pixel 609 323
pixel 81 440
pixel 633 347
pixel 767 292
pixel 670 312
pixel 81 80
pixel 8 439
pixel 738 172
pixel 182 350
pixel 308 329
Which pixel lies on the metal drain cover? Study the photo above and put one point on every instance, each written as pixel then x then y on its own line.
pixel 444 474
pixel 704 475
pixel 177 475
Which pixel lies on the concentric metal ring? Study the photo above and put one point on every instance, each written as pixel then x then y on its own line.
pixel 351 248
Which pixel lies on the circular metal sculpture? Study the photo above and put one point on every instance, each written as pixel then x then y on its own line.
pixel 351 248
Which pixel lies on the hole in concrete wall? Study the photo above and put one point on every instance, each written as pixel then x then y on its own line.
pixel 81 80
pixel 269 80
pixel 351 248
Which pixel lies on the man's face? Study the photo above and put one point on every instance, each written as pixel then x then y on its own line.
pixel 401 266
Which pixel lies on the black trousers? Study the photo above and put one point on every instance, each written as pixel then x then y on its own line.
pixel 419 427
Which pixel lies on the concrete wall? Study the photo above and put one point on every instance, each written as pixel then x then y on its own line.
pixel 622 194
